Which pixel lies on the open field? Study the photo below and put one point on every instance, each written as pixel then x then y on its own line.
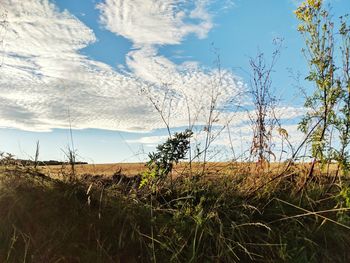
pixel 172 107
pixel 132 169
pixel 189 220
pixel 129 169
pixel 212 169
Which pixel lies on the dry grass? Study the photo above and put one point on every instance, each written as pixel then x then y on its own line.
pixel 131 169
pixel 128 169
pixel 212 170
pixel 44 220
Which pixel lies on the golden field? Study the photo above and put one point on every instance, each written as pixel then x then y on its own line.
pixel 212 169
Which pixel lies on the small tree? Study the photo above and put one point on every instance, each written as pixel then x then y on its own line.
pixel 343 118
pixel 169 153
pixel 318 31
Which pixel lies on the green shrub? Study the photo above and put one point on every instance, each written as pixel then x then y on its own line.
pixel 169 153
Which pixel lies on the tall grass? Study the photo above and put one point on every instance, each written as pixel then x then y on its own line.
pixel 195 220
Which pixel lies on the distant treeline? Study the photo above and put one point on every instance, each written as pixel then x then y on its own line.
pixel 39 163
pixel 53 162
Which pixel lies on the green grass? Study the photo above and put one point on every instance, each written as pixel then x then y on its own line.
pixel 43 220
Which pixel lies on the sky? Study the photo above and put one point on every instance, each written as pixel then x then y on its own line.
pixel 100 66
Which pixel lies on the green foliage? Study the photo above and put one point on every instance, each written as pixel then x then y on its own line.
pixel 343 200
pixel 169 153
pixel 329 105
pixel 317 29
pixel 343 117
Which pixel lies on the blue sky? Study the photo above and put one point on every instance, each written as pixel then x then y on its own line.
pixel 85 62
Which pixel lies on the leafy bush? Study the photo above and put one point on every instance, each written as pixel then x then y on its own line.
pixel 162 161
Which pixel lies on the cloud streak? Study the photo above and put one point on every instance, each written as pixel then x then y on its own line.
pixel 155 22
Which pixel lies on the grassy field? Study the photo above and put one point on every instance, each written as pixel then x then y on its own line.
pixel 212 169
pixel 187 219
pixel 129 169
pixel 172 211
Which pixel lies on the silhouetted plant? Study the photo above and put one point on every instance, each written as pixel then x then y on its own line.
pixel 36 157
pixel 263 118
pixel 169 153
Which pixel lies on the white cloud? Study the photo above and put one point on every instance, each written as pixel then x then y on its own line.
pixel 43 75
pixel 152 23
pixel 149 140
pixel 160 22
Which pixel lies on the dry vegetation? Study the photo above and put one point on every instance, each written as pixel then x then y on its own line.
pixel 175 209
pixel 188 219
pixel 213 169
